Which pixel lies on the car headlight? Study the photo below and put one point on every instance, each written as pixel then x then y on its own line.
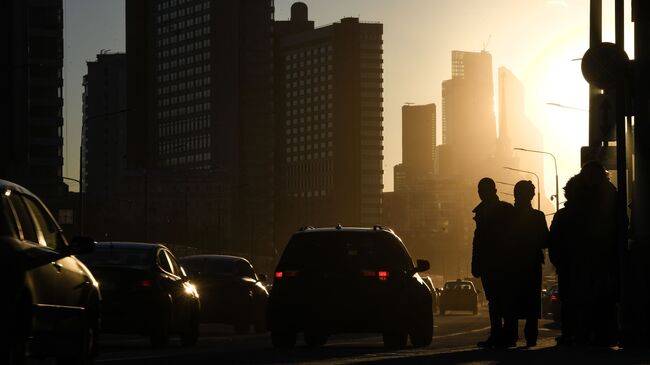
pixel 190 289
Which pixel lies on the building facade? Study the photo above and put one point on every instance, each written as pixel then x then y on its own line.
pixel 329 117
pixel 201 98
pixel 32 133
pixel 418 143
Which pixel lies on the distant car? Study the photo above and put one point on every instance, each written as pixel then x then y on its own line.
pixel 551 304
pixel 335 280
pixel 50 300
pixel 435 293
pixel 459 295
pixel 145 291
pixel 231 291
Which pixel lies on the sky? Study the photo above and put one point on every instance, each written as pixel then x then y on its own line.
pixel 538 40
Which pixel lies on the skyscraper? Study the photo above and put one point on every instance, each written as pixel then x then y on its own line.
pixel 201 98
pixel 468 121
pixel 418 143
pixel 329 114
pixel 31 140
pixel 103 138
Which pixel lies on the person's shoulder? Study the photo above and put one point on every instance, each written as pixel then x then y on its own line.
pixel 505 205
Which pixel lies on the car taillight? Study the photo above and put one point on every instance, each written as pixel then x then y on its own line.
pixel 147 283
pixel 553 297
pixel 285 274
pixel 382 275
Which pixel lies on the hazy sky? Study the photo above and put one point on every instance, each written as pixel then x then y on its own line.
pixel 536 39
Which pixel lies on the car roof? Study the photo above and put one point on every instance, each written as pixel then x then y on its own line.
pixel 222 258
pixel 340 228
pixel 8 185
pixel 130 245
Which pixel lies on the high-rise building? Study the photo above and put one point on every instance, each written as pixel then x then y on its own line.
pixel 329 118
pixel 418 143
pixel 31 140
pixel 103 138
pixel 468 121
pixel 200 95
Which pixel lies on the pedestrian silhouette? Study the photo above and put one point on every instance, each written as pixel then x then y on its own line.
pixel 562 253
pixel 527 238
pixel 595 273
pixel 492 218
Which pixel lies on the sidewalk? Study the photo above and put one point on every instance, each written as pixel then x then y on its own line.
pixel 545 353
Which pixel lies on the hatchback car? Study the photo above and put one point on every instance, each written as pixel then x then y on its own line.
pixel 460 295
pixel 50 301
pixel 335 280
pixel 145 291
pixel 231 291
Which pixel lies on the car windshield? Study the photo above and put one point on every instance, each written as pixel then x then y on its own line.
pixel 344 251
pixel 458 286
pixel 118 257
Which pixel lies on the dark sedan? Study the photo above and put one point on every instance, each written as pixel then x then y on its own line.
pixel 50 300
pixel 145 291
pixel 231 291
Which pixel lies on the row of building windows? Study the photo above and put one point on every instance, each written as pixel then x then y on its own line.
pixel 309 52
pixel 182 86
pixel 184 110
pixel 309 81
pixel 164 41
pixel 189 159
pixel 198 45
pixel 180 12
pixel 167 4
pixel 309 194
pixel 183 98
pixel 184 144
pixel 306 72
pixel 309 156
pixel 318 62
pixel 308 100
pixel 182 74
pixel 188 125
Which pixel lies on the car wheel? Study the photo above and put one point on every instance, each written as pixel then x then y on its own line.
pixel 395 339
pixel 422 329
pixel 160 332
pixel 83 347
pixel 315 338
pixel 190 335
pixel 283 339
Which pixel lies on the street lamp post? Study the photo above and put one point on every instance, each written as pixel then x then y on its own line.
pixel 557 184
pixel 536 177
pixel 81 202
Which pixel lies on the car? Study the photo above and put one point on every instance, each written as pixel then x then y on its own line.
pixel 551 304
pixel 435 294
pixel 50 301
pixel 349 280
pixel 231 291
pixel 459 295
pixel 145 291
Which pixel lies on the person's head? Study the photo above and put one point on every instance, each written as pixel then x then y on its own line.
pixel 524 191
pixel 487 189
pixel 570 188
pixel 593 173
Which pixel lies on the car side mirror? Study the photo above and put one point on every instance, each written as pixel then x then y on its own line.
pixel 422 265
pixel 263 278
pixel 80 245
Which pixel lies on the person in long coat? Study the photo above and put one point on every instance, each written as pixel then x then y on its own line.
pixel 527 239
pixel 492 218
pixel 562 252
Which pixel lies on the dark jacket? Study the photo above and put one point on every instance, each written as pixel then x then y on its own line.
pixel 492 220
pixel 527 240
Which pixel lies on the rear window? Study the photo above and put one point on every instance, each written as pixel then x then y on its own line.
pixel 118 257
pixel 342 251
pixel 458 286
pixel 210 267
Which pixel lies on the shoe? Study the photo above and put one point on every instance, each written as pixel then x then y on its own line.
pixel 531 343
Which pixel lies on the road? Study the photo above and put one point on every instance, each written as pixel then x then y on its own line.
pixel 455 337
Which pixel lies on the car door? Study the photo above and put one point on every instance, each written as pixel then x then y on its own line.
pixel 42 275
pixel 73 281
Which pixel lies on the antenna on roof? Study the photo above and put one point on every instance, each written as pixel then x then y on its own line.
pixel 485 45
